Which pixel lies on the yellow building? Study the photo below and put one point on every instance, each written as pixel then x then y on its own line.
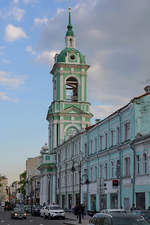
pixel 3 189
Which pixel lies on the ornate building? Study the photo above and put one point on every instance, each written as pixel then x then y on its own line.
pixel 69 112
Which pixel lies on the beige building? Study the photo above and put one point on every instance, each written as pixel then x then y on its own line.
pixel 4 189
pixel 32 180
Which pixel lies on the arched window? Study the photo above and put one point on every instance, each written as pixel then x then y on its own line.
pixel 72 89
pixel 145 163
pixel 71 42
pixel 71 131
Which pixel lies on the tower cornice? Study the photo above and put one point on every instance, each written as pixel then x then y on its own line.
pixel 67 65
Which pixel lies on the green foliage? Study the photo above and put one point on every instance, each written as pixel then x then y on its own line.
pixel 22 183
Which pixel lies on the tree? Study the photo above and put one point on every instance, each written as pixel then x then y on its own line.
pixel 22 184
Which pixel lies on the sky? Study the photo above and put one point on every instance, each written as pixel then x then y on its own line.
pixel 113 35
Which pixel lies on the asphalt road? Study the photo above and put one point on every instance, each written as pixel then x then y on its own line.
pixel 5 219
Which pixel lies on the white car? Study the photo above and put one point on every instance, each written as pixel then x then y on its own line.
pixel 42 211
pixel 54 211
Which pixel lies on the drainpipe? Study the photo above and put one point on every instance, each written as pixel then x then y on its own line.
pixel 133 181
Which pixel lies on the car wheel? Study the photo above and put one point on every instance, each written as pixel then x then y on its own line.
pixel 44 216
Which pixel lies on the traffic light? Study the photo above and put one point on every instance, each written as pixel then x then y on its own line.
pixel 115 183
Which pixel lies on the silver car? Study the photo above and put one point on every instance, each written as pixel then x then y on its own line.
pixel 117 219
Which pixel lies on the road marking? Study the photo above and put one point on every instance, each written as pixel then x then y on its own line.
pixel 30 221
pixel 2 221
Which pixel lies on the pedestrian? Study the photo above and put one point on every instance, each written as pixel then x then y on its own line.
pixel 76 210
pixel 82 211
pixel 133 207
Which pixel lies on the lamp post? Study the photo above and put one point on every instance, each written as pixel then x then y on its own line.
pixel 73 170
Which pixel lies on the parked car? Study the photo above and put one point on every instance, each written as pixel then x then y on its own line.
pixel 117 219
pixel 144 213
pixel 27 208
pixel 42 211
pixel 36 210
pixel 54 211
pixel 18 213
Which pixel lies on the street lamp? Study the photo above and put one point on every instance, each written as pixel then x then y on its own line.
pixel 73 170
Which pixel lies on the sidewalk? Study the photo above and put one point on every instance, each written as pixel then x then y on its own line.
pixel 71 219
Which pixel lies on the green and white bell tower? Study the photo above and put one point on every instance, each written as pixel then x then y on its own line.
pixel 69 112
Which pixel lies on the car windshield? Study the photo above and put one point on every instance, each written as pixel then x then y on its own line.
pixel 55 208
pixel 127 220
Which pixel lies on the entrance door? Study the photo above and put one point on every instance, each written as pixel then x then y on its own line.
pixel 140 200
pixel 114 201
pixel 126 203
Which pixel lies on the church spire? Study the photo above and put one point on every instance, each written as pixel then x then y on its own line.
pixel 70 39
pixel 69 27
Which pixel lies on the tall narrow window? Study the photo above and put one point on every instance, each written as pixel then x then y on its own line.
pixel 112 137
pixel 91 146
pixel 112 169
pixel 106 140
pixel 101 170
pixel 137 164
pixel 100 142
pixel 85 149
pixel 127 167
pixel 91 170
pixel 71 42
pixel 95 173
pixel 118 135
pixel 95 144
pixel 127 131
pixel 145 163
pixel 106 171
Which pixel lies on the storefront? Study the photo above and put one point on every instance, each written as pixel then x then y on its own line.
pixel 114 201
pixel 140 200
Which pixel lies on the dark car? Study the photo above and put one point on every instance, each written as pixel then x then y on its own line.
pixel 18 213
pixel 117 219
pixel 27 208
pixel 144 213
pixel 36 210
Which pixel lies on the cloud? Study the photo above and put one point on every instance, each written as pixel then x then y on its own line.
pixel 17 13
pixel 115 40
pixel 8 81
pixel 46 57
pixel 13 12
pixel 13 33
pixel 15 1
pixel 30 50
pixel 102 111
pixel 6 61
pixel 40 21
pixel 30 1
pixel 59 11
pixel 2 47
pixel 4 97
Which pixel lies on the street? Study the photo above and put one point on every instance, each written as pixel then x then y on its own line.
pixel 31 220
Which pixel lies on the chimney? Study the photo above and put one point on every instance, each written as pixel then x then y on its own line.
pixel 147 89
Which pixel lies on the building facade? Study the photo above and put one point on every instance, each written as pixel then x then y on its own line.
pixel 105 165
pixel 32 180
pixel 3 189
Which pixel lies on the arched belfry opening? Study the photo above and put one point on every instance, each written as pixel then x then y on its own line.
pixel 72 89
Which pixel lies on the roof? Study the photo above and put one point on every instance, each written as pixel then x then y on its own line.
pixel 62 56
